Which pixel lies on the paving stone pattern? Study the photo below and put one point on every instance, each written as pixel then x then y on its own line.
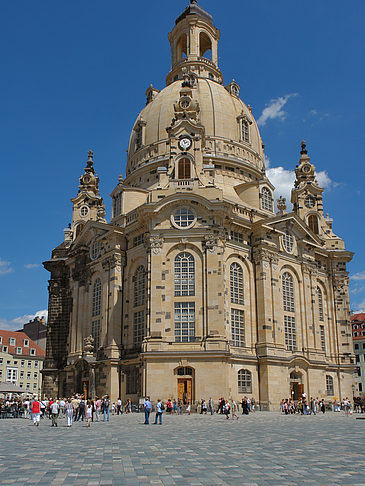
pixel 261 449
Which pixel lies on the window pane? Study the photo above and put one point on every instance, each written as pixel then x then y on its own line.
pixel 184 275
pixel 184 322
pixel 290 333
pixel 238 327
pixel 236 280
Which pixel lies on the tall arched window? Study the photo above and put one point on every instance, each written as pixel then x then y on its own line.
pixel 245 131
pixel 288 306
pixel 320 304
pixel 96 311
pixel 236 280
pixel 184 169
pixel 313 223
pixel 139 286
pixel 288 292
pixel 96 298
pixel 184 275
pixel 244 381
pixel 266 199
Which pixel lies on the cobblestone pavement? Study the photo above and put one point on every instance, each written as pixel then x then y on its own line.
pixel 262 449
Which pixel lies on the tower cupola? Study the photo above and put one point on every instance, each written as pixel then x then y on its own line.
pixel 194 46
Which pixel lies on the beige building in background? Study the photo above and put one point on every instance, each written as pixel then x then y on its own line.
pixel 196 288
pixel 21 362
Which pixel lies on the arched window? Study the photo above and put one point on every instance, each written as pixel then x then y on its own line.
pixel 138 138
pixel 288 305
pixel 320 304
pixel 79 228
pixel 244 381
pixel 236 279
pixel 181 47
pixel 266 199
pixel 96 311
pixel 205 45
pixel 139 286
pixel 329 385
pixel 288 292
pixel 313 223
pixel 184 169
pixel 184 275
pixel 245 131
pixel 96 298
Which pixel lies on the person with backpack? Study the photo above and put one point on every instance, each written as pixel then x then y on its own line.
pixel 159 411
pixel 106 407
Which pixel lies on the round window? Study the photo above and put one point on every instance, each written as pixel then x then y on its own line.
pixel 84 210
pixel 288 242
pixel 95 250
pixel 183 218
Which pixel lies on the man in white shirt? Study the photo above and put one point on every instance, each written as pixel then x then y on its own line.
pixel 54 413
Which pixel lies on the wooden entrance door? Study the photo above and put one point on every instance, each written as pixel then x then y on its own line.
pixel 184 389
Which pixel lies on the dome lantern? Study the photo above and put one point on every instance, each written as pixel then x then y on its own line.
pixel 194 45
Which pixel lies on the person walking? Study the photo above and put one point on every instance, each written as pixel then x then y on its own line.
pixel 69 412
pixel 211 406
pixel 188 408
pixel 97 409
pixel 89 412
pixel 147 410
pixel 159 411
pixel 106 408
pixel 54 413
pixel 36 412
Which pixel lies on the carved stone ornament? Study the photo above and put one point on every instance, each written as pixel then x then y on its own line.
pixel 89 344
pixel 154 243
pixel 260 256
pixel 116 260
pixel 339 283
pixel 210 242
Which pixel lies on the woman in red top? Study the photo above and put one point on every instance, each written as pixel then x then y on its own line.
pixel 36 412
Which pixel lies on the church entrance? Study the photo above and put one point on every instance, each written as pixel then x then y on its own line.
pixel 296 386
pixel 185 388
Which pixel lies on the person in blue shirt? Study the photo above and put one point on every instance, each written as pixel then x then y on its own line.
pixel 147 410
pixel 159 410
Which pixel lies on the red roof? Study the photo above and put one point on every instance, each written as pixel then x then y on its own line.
pixel 358 317
pixel 19 343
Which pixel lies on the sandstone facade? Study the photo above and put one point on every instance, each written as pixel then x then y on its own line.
pixel 196 288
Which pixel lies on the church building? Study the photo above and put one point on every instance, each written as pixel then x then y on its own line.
pixel 198 287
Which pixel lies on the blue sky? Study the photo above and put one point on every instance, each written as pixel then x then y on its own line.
pixel 74 74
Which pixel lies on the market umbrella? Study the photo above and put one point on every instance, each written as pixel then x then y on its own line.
pixel 10 388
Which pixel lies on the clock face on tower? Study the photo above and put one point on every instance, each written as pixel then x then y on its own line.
pixel 184 143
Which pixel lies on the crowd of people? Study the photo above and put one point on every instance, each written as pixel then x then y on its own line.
pixel 79 409
pixel 303 406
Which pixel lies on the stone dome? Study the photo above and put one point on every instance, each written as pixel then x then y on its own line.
pixel 220 111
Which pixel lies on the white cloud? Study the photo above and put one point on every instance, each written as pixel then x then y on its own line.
pixel 357 290
pixel 5 267
pixel 283 180
pixel 29 266
pixel 18 322
pixel 358 276
pixel 275 109
pixel 361 308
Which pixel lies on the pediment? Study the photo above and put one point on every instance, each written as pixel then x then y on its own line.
pixel 293 223
pixel 90 232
